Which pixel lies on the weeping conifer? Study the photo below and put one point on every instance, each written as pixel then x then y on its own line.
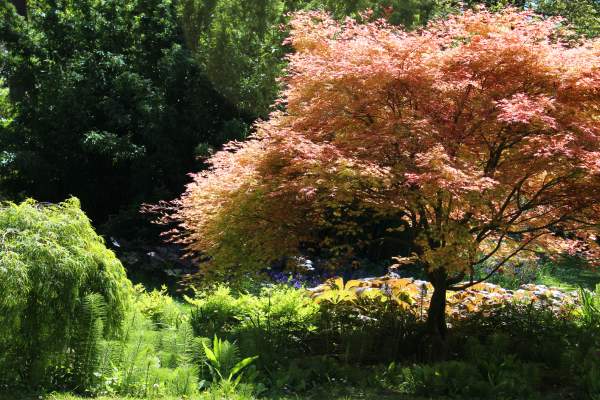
pixel 61 290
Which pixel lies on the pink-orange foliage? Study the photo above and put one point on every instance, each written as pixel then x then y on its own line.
pixel 481 132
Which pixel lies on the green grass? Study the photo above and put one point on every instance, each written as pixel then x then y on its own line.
pixel 569 273
pixel 346 393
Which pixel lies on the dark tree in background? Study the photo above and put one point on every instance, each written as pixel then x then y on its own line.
pixel 110 106
pixel 20 6
pixel 113 101
pixel 239 43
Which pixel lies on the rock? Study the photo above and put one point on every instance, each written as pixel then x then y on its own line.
pixel 152 259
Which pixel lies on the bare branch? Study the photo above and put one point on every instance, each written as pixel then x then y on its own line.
pixel 499 265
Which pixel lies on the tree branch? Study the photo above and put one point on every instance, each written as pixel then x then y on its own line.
pixel 499 265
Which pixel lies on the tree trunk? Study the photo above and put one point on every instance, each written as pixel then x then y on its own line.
pixel 436 317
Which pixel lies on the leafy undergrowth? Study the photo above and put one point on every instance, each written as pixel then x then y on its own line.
pixel 569 273
pixel 341 346
pixel 415 295
pixel 331 393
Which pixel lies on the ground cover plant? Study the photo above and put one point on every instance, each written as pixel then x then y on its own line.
pixel 348 348
pixel 269 341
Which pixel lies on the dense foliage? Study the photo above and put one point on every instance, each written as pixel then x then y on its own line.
pixel 478 135
pixel 60 289
pixel 353 344
pixel 441 142
pixel 123 95
pixel 347 340
pixel 109 105
pixel 240 45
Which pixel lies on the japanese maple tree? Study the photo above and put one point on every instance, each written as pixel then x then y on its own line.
pixel 479 133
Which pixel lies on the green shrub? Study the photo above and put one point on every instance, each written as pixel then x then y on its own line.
pixel 583 360
pixel 225 364
pixel 302 343
pixel 587 368
pixel 369 330
pixel 224 392
pixel 86 344
pixel 61 289
pixel 149 359
pixel 305 374
pixel 530 328
pixel 277 324
pixel 590 307
pixel 273 323
pixel 215 312
pixel 452 378
pixel 589 375
pixel 158 306
pixel 506 374
pixel 487 378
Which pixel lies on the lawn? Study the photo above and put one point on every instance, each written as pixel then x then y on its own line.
pixel 334 394
pixel 570 273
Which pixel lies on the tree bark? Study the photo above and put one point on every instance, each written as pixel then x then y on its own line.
pixel 436 316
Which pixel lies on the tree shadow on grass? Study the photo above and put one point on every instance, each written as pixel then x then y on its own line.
pixel 570 273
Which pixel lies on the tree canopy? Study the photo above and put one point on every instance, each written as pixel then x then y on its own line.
pixel 124 95
pixel 479 135
pixel 108 103
pixel 240 44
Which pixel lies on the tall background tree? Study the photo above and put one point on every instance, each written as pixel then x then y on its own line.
pixel 240 43
pixel 108 102
pixel 478 136
pixel 583 15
